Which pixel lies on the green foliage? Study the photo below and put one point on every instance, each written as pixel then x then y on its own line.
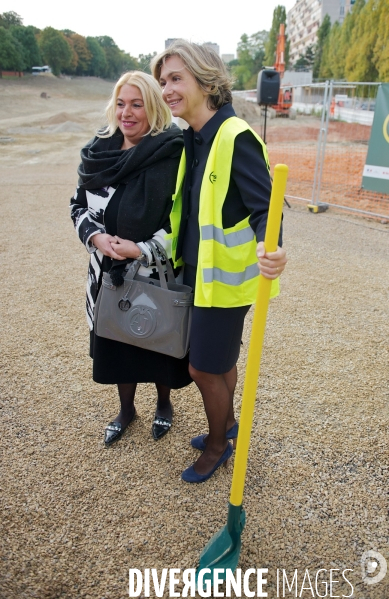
pixel 381 47
pixel 333 54
pixel 251 53
pixel 11 52
pixel 113 57
pixel 359 61
pixel 144 62
pixel 72 66
pixel 322 35
pixel 356 50
pixel 26 37
pixel 83 53
pixel 55 49
pixel 129 63
pixel 279 18
pixel 305 62
pixel 98 61
pixel 7 19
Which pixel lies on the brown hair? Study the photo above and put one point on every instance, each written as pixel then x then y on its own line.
pixel 206 67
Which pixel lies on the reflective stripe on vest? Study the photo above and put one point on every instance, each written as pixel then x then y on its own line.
pixel 231 239
pixel 230 278
pixel 227 267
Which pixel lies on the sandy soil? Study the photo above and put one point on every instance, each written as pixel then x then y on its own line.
pixel 76 516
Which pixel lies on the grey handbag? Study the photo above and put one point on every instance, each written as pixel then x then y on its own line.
pixel 149 313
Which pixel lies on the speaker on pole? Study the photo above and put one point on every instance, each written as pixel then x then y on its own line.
pixel 268 86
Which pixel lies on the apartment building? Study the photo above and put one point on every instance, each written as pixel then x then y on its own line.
pixel 305 18
pixel 213 46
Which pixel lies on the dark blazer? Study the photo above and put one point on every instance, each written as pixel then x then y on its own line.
pixel 248 193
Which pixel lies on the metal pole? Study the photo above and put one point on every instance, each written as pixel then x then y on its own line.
pixel 323 148
pixel 319 142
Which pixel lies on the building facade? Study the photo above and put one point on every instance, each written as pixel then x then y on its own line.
pixel 213 46
pixel 228 58
pixel 305 18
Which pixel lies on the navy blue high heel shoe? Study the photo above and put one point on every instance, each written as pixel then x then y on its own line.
pixel 199 443
pixel 190 475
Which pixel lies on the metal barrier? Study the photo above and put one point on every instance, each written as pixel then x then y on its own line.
pixel 326 146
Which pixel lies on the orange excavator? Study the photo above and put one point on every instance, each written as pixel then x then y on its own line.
pixel 285 96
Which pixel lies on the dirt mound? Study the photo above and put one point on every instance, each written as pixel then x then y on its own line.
pixel 248 111
pixel 67 127
pixel 63 117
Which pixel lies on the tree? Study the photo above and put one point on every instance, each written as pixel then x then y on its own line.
pixel 55 49
pixel 250 52
pixel 322 35
pixel 381 47
pixel 144 61
pixel 72 66
pixel 332 64
pixel 26 37
pixel 83 53
pixel 113 57
pixel 301 64
pixel 7 19
pixel 129 63
pixel 359 61
pixel 279 18
pixel 306 60
pixel 11 52
pixel 98 61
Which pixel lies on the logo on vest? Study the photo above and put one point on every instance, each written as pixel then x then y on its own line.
pixel 142 321
pixel 212 177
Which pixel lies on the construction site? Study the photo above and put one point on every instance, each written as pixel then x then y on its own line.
pixel 76 516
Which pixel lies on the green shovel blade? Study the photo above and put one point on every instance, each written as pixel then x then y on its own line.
pixel 223 550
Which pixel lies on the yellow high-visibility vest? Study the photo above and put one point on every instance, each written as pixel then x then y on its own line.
pixel 227 267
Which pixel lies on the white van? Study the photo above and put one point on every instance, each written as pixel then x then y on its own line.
pixel 40 70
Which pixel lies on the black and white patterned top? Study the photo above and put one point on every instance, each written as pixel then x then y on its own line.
pixel 87 210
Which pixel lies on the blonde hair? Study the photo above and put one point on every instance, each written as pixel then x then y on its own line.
pixel 206 67
pixel 157 112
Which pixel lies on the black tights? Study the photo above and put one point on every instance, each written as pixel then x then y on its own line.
pixel 217 391
pixel 127 396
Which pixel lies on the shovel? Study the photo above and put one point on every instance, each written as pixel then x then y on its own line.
pixel 223 550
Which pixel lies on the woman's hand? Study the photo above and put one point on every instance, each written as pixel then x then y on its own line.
pixel 125 248
pixel 271 264
pixel 103 243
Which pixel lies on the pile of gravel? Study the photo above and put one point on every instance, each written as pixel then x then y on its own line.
pixel 76 516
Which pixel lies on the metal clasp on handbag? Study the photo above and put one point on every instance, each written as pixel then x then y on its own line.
pixel 125 304
pixel 183 303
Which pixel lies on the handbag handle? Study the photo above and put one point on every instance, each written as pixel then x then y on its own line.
pixel 153 245
pixel 135 265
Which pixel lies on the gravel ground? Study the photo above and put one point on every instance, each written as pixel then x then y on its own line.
pixel 76 516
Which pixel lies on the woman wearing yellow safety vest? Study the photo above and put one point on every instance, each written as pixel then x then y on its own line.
pixel 218 225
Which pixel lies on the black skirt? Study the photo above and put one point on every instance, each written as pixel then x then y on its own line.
pixel 117 363
pixel 215 335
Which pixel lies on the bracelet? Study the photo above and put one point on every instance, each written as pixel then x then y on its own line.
pixel 142 258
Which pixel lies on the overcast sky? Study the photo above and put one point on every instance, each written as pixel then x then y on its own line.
pixel 141 27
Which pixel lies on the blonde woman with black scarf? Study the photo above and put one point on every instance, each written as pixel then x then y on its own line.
pixel 124 197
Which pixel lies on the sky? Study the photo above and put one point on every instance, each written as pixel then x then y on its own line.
pixel 141 27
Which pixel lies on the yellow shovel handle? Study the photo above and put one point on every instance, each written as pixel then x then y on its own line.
pixel 256 339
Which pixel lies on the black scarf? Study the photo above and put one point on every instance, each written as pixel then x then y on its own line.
pixel 149 172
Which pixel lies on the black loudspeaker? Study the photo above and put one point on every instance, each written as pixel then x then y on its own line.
pixel 268 86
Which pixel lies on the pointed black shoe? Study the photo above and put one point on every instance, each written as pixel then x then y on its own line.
pixel 160 427
pixel 114 430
